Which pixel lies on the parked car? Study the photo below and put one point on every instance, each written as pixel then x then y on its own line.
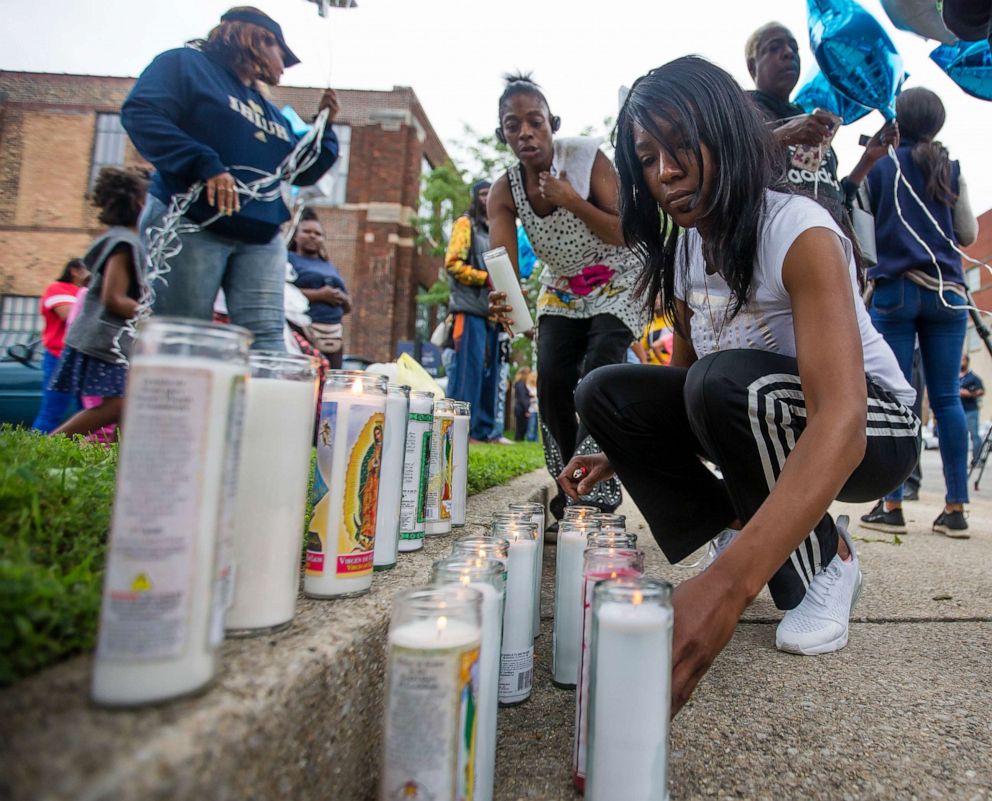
pixel 929 435
pixel 20 383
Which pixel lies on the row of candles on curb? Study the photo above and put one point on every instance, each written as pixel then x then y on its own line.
pixel 205 540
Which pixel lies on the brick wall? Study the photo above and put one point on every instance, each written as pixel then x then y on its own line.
pixel 47 125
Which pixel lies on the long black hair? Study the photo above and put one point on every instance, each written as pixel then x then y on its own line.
pixel 921 115
pixel 705 105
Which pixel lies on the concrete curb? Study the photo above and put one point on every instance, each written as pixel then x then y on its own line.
pixel 295 715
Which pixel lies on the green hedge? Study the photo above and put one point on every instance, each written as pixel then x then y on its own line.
pixel 56 497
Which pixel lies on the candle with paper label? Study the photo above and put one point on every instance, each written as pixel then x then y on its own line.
pixel 167 577
pixel 536 512
pixel 438 515
pixel 516 671
pixel 387 517
pixel 486 576
pixel 597 564
pixel 416 471
pixel 341 539
pixel 630 690
pixel 272 491
pixel 459 463
pixel 432 673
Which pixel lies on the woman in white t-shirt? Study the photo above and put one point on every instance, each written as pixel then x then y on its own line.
pixel 777 374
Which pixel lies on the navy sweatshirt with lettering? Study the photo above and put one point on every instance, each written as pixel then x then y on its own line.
pixel 193 118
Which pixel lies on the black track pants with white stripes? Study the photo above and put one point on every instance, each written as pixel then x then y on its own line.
pixel 743 410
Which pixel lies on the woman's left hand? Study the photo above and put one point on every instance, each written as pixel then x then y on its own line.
pixel 707 608
pixel 878 145
pixel 557 190
pixel 329 100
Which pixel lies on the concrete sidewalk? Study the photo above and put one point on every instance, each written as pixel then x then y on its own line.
pixel 904 712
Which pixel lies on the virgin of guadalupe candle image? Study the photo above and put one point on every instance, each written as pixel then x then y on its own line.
pixel 598 564
pixel 432 681
pixel 416 471
pixel 350 432
pixel 272 491
pixel 567 636
pixel 387 521
pixel 162 614
pixel 630 690
pixel 439 487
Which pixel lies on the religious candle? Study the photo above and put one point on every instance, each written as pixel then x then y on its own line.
pixel 432 691
pixel 272 491
pixel 480 546
pixel 567 632
pixel 416 471
pixel 387 516
pixel 165 585
pixel 577 511
pixel 536 511
pixel 630 690
pixel 598 564
pixel 516 669
pixel 505 280
pixel 527 515
pixel 486 576
pixel 341 539
pixel 459 462
pixel 439 484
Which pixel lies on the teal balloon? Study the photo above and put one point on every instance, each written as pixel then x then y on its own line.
pixel 969 65
pixel 855 54
pixel 818 93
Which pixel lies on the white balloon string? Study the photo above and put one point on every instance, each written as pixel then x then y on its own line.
pixel 899 177
pixel 165 239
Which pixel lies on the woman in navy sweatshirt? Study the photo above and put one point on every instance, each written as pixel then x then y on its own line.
pixel 200 114
pixel 910 276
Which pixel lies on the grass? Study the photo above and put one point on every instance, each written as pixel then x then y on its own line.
pixel 56 497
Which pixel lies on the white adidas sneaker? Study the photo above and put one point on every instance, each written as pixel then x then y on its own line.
pixel 819 624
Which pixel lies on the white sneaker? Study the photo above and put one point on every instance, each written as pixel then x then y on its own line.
pixel 819 624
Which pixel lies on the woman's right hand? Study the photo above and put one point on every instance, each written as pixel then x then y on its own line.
pixel 590 469
pixel 222 193
pixel 499 311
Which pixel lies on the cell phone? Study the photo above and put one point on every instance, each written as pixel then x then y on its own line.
pixel 864 140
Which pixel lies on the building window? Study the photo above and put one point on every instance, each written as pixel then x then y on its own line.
pixel 108 144
pixel 974 340
pixel 332 188
pixel 20 313
pixel 422 321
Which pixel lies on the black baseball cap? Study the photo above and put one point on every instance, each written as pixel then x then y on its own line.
pixel 256 17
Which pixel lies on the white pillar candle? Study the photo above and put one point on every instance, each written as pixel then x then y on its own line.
pixel 504 279
pixel 479 546
pixel 567 633
pixel 611 520
pixel 526 516
pixel 630 691
pixel 387 519
pixel 579 511
pixel 164 598
pixel 516 672
pixel 439 484
pixel 598 564
pixel 341 539
pixel 611 538
pixel 459 463
pixel 486 576
pixel 416 471
pixel 431 692
pixel 272 491
pixel 536 511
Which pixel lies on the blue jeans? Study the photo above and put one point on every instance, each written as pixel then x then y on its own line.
pixel 532 427
pixel 253 277
pixel 55 406
pixel 474 371
pixel 902 311
pixel 972 422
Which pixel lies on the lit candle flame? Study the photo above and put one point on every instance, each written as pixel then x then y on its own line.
pixel 442 624
pixel 465 579
pixel 638 598
pixel 613 574
pixel 357 388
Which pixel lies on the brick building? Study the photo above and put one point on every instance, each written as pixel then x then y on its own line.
pixel 56 131
pixel 980 284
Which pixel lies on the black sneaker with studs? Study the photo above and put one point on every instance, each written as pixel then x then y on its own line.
pixel 878 519
pixel 952 524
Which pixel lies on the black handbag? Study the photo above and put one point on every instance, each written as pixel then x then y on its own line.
pixel 863 223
